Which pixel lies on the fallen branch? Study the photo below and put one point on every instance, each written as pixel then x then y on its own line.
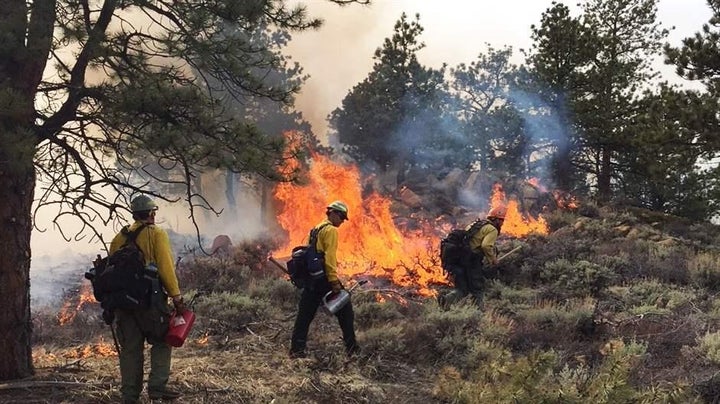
pixel 251 332
pixel 218 390
pixel 78 364
pixel 390 291
pixel 381 291
pixel 48 383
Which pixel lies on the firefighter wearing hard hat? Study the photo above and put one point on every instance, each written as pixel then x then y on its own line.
pixel 468 279
pixel 312 294
pixel 136 326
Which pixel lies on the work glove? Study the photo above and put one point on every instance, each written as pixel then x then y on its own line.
pixel 179 304
pixel 336 286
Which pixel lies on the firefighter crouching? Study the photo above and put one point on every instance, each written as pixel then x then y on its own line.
pixel 467 274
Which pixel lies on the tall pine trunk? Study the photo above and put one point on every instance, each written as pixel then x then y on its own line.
pixel 17 183
pixel 27 28
pixel 605 175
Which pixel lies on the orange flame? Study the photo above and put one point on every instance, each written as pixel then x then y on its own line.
pixel 370 244
pixel 203 340
pixel 99 349
pixel 69 310
pixel 516 224
pixel 565 200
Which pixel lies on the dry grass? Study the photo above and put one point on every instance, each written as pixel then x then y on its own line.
pixel 246 366
pixel 542 333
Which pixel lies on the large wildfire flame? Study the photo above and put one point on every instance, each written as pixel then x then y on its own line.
pixel 370 242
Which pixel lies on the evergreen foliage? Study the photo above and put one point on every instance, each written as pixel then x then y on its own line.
pixel 102 99
pixel 396 118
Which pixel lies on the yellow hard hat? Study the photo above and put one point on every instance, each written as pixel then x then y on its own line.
pixel 340 207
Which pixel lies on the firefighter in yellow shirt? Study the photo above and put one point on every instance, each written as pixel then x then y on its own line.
pixel 312 294
pixel 133 325
pixel 469 278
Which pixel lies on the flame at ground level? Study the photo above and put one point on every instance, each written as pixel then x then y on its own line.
pixel 516 223
pixel 70 309
pixel 370 243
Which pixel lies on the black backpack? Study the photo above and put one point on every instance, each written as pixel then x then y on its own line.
pixel 455 247
pixel 120 281
pixel 306 262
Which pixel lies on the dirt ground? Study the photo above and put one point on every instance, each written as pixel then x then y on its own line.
pixel 249 367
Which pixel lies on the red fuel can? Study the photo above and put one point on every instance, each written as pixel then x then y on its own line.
pixel 180 326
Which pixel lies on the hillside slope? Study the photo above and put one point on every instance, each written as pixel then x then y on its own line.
pixel 614 305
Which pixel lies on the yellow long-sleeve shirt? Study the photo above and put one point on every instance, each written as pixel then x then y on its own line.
pixel 484 241
pixel 327 242
pixel 155 245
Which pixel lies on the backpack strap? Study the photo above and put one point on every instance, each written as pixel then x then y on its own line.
pixel 130 236
pixel 314 235
pixel 474 228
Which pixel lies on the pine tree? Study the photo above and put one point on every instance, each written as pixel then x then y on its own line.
pixel 396 117
pixel 116 90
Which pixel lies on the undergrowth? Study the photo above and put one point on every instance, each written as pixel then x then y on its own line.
pixel 583 314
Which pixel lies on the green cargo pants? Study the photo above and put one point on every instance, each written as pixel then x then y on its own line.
pixel 468 279
pixel 131 338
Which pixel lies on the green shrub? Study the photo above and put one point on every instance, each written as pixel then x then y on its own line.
pixel 653 296
pixel 618 263
pixel 515 295
pixel 233 311
pixel 709 345
pixel 496 327
pixel 373 313
pixel 551 324
pixel 610 383
pixel 538 378
pixel 508 300
pixel 461 317
pixel 443 335
pixel 597 230
pixel 647 310
pixel 524 379
pixel 627 258
pixel 578 279
pixel 279 291
pixel 713 311
pixel 668 264
pixel 568 245
pixel 588 209
pixel 568 312
pixel 210 274
pixel 386 341
pixel 559 219
pixel 704 270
